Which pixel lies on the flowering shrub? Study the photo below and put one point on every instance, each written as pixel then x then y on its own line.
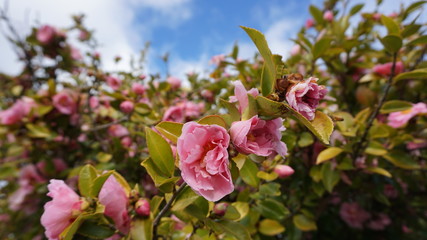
pixel 329 142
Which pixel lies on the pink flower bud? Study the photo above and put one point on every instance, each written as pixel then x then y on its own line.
pixel 93 102
pixel 83 35
pixel 220 208
pixel 126 142
pixel 283 171
pixel 328 16
pixel 45 34
pixel 142 76
pixel 142 207
pixel 309 23
pixel 138 88
pixel 174 82
pixel 113 82
pixel 127 106
pixel 207 94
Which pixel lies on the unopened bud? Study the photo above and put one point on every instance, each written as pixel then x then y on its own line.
pixel 142 207
pixel 127 106
pixel 220 208
pixel 283 171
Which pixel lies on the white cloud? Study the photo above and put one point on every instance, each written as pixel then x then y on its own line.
pixel 181 67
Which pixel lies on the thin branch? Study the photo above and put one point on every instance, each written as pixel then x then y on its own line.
pixel 103 126
pixel 361 145
pixel 165 209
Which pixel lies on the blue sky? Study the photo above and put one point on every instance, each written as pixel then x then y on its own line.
pixel 192 31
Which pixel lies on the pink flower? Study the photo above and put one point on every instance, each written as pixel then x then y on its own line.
pixel 260 137
pixel 217 60
pixel 309 23
pixel 174 82
pixel 393 15
pixel 416 144
pixel 84 35
pixel 399 119
pixel 283 171
pixel 20 109
pixel 207 94
pixel 116 201
pixel 93 102
pixel 138 88
pixel 127 106
pixel 45 34
pixel 380 222
pixel 17 199
pixel 174 114
pixel 113 82
pixel 61 211
pixel 183 111
pixel 126 142
pixel 354 215
pixel 241 95
pixel 75 54
pixel 376 17
pixel 192 109
pixel 118 130
pixel 295 50
pixel 385 69
pixel 142 207
pixel 305 96
pixel 65 102
pixel 328 16
pixel 204 164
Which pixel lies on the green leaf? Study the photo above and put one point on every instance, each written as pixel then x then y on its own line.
pixel 38 131
pixel 269 69
pixel 185 198
pixel 232 110
pixel 402 160
pixel 410 29
pixel 164 182
pixel 376 149
pixel 103 157
pixel 390 24
pixel 270 189
pixel 330 177
pixel 99 182
pixel 356 8
pixel 92 230
pixel 317 14
pixel 320 47
pixel 305 139
pixel 242 208
pixel 251 109
pixel 267 176
pixel 213 120
pixel 378 170
pixel 41 110
pixel 416 74
pixel 170 130
pixel 69 232
pixel 231 213
pixel 328 153
pixel 86 177
pixel 160 152
pixel 272 209
pixel 392 43
pixel 248 173
pixel 141 229
pixel 414 6
pixel 419 40
pixel 234 229
pixel 269 108
pixel 270 227
pixel 304 223
pixel 395 106
pixel 142 108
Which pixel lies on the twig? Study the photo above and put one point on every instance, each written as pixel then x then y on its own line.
pixel 100 127
pixel 362 143
pixel 165 209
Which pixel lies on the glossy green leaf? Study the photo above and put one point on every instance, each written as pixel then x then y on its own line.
pixel 171 130
pixel 213 120
pixel 93 230
pixel 376 149
pixel 320 47
pixel 141 229
pixel 269 70
pixel 402 160
pixel 68 233
pixel 103 157
pixel 395 106
pixel 419 40
pixel 242 208
pixel 251 110
pixel 414 6
pixel 232 110
pixel 392 43
pixel 356 8
pixel 38 131
pixel 249 173
pixel 317 14
pixel 272 209
pixel 270 189
pixel 161 180
pixel 234 229
pixel 378 170
pixel 99 182
pixel 269 108
pixel 267 176
pixel 330 177
pixel 390 24
pixel 185 198
pixel 231 213
pixel 415 74
pixel 270 227
pixel 86 177
pixel 305 139
pixel 304 223
pixel 160 152
pixel 328 154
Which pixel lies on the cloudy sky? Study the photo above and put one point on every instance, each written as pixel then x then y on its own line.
pixel 190 30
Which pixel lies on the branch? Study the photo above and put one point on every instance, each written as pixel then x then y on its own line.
pixel 100 127
pixel 361 145
pixel 165 209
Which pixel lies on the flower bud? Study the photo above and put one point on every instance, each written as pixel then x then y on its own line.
pixel 126 142
pixel 127 106
pixel 138 88
pixel 142 207
pixel 283 171
pixel 220 208
pixel 328 16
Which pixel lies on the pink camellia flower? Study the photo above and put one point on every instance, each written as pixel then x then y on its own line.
pixel 399 119
pixel 93 102
pixel 127 106
pixel 305 96
pixel 260 137
pixel 118 130
pixel 295 50
pixel 75 54
pixel 207 94
pixel 61 211
pixel 241 95
pixel 113 82
pixel 116 201
pixel 283 171
pixel 328 16
pixel 84 35
pixel 142 76
pixel 217 60
pixel 65 101
pixel 20 109
pixel 142 207
pixel 126 141
pixel 416 144
pixel 385 69
pixel 309 23
pixel 138 88
pixel 204 164
pixel 174 82
pixel 192 109
pixel 354 215
pixel 174 114
pixel 45 34
pixel 380 222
